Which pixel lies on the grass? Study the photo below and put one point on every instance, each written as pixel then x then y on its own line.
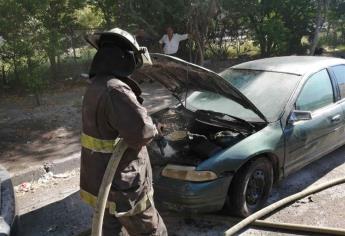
pixel 246 48
pixel 68 70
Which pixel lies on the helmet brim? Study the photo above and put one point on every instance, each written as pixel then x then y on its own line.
pixel 96 40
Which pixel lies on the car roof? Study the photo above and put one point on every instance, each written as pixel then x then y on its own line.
pixel 298 65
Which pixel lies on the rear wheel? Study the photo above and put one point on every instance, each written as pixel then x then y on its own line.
pixel 251 187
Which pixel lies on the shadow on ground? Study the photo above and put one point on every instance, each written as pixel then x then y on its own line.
pixel 71 217
pixel 325 169
pixel 63 218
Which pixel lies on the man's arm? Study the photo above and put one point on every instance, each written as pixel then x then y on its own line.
pixel 161 42
pixel 129 117
pixel 182 37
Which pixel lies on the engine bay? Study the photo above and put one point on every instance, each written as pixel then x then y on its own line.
pixel 190 137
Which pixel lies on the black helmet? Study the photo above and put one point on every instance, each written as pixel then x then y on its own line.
pixel 110 42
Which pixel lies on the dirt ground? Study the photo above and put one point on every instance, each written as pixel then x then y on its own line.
pixel 31 135
pixel 51 206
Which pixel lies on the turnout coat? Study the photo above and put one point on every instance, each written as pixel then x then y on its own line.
pixel 112 109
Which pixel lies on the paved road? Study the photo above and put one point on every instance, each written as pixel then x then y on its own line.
pixel 53 207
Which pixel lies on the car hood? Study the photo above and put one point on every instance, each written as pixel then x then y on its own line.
pixel 179 76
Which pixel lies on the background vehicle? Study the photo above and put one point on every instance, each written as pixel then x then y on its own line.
pixel 238 132
pixel 7 204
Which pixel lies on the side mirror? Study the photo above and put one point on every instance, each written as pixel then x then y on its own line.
pixel 299 115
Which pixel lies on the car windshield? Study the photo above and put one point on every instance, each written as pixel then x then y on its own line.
pixel 268 91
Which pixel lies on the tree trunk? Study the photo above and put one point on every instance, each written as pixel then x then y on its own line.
pixel 199 23
pixel 319 23
pixel 15 68
pixel 201 49
pixel 3 73
pixel 238 47
pixel 36 89
pixel 73 48
pixel 263 47
pixel 53 67
pixel 37 98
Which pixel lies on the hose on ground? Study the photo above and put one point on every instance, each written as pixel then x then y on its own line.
pixel 265 211
pixel 296 228
pixel 97 220
pixel 299 227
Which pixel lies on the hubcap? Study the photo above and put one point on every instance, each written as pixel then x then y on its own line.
pixel 255 187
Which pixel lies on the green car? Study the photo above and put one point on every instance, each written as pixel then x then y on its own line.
pixel 236 133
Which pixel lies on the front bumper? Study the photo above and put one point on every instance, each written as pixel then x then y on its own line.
pixel 192 197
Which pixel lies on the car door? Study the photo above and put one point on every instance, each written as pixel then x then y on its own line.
pixel 307 140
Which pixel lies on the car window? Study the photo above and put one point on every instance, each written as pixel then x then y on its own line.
pixel 316 93
pixel 339 72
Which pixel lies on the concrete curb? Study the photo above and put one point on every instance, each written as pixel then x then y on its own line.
pixel 57 166
pixel 7 203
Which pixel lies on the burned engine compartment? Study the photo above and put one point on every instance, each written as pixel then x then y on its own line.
pixel 191 137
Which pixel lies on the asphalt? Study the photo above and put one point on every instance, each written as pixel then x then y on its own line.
pixel 30 166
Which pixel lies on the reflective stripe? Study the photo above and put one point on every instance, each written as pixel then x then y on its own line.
pixel 97 145
pixel 90 198
pixel 140 206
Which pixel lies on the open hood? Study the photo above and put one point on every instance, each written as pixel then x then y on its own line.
pixel 179 76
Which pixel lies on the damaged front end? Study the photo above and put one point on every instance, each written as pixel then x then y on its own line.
pixel 211 118
pixel 194 134
pixel 189 137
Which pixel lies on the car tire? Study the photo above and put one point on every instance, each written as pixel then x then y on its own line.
pixel 250 187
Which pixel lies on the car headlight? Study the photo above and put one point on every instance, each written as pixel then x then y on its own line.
pixel 187 173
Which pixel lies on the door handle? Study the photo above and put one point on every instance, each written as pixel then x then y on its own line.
pixel 336 118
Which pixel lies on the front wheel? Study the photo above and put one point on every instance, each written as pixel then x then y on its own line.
pixel 251 187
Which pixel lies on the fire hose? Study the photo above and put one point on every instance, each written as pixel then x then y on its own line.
pixel 269 209
pixel 97 220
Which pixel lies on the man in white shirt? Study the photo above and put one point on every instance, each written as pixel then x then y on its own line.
pixel 170 41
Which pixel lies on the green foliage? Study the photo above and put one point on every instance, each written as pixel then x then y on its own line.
pixel 276 26
pixel 89 17
pixel 40 34
pixel 334 33
pixel 109 9
pixel 34 30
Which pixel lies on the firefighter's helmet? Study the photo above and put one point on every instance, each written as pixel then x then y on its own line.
pixel 126 42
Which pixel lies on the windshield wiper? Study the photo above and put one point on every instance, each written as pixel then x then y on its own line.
pixel 208 112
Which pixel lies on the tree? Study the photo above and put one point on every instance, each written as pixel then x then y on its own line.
pixel 299 18
pixel 276 26
pixel 202 13
pixel 22 50
pixel 322 6
pixel 336 22
pixel 108 9
pixel 57 19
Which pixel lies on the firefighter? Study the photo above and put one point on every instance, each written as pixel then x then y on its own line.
pixel 112 108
